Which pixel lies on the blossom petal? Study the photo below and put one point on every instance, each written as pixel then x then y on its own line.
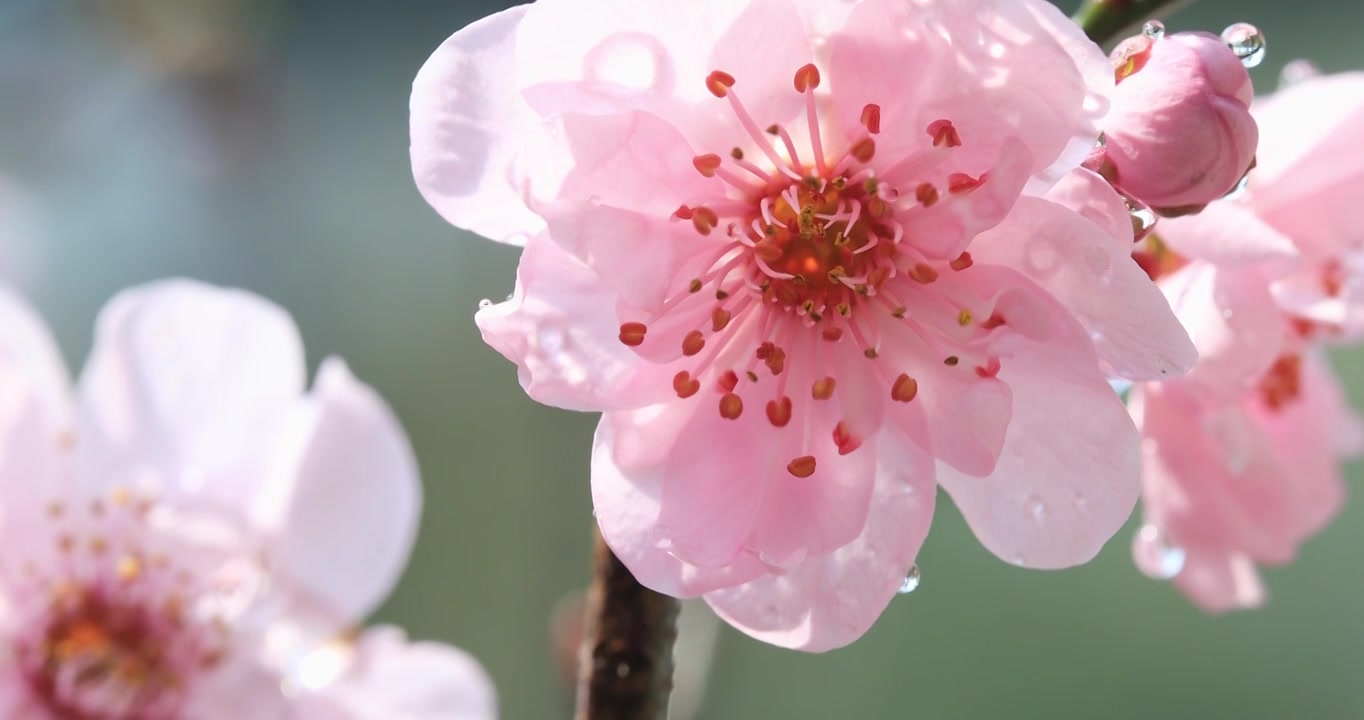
pixel 467 125
pixel 1219 582
pixel 1231 319
pixel 1068 474
pixel 390 677
pixel 1085 268
pixel 344 531
pixel 1225 233
pixel 27 347
pixel 191 376
pixel 627 487
pixel 560 329
pixel 830 600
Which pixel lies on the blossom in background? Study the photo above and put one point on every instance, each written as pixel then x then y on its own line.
pixel 1181 134
pixel 189 534
pixel 810 259
pixel 1242 459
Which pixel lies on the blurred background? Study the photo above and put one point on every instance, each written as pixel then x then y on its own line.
pixel 263 144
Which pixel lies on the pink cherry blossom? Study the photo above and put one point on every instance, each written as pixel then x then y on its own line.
pixel 1243 454
pixel 812 259
pixel 192 535
pixel 1180 134
pixel 1241 457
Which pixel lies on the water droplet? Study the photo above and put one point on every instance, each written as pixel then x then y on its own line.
pixel 622 670
pixel 1143 219
pixel 1247 42
pixel 484 304
pixel 1153 29
pixel 1036 508
pixel 1102 141
pixel 1155 556
pixel 1297 71
pixel 911 581
pixel 1019 561
pixel 1081 502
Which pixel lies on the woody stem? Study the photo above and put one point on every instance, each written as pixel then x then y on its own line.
pixel 625 663
pixel 1107 20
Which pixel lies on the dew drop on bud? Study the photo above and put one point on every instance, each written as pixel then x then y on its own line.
pixel 1101 141
pixel 1155 556
pixel 1143 219
pixel 911 581
pixel 1247 42
pixel 1154 29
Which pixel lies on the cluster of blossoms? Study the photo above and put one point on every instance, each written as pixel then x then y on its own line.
pixel 188 534
pixel 812 260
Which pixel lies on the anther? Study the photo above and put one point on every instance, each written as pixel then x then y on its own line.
pixel 864 150
pixel 704 220
pixel 719 319
pixel 802 467
pixel 823 389
pixel 685 384
pixel 961 183
pixel 752 376
pixel 832 333
pixel 779 411
pixel 706 164
pixel 871 118
pixel 694 342
pixel 926 194
pixel 731 406
pixel 944 133
pixel 737 154
pixel 923 273
pixel 719 83
pixel 870 353
pixel 962 262
pixel 695 285
pixel 878 277
pixel 904 389
pixel 632 333
pixel 728 381
pixel 845 440
pixel 773 129
pixel 989 369
pixel 994 321
pixel 951 361
pixel 964 318
pixel 683 212
pixel 721 295
pixel 807 78
pixel 898 313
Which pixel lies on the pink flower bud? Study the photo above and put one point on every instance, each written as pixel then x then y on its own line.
pixel 1180 134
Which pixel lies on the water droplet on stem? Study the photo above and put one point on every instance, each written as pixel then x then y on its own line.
pixel 1247 42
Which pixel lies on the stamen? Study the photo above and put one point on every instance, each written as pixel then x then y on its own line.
pixel 704 220
pixel 926 194
pixel 864 150
pixel 632 333
pixel 719 319
pixel 812 117
pixel 923 273
pixel 961 183
pixel 944 134
pixel 685 384
pixel 807 78
pixel 693 343
pixel 845 440
pixel 989 369
pixel 706 164
pixel 731 406
pixel 823 388
pixel 905 389
pixel 779 411
pixel 802 467
pixel 871 118
pixel 951 361
pixel 962 262
pixel 719 83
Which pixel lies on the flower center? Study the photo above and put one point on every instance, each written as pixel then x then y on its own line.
pixel 1282 384
pixel 110 627
pixel 808 240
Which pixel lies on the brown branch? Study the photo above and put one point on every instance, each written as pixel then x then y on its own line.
pixel 625 664
pixel 1107 20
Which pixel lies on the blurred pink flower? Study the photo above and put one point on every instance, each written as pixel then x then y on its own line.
pixel 801 255
pixel 1243 454
pixel 191 535
pixel 1242 457
pixel 1180 134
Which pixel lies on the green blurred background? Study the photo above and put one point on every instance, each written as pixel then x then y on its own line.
pixel 263 144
